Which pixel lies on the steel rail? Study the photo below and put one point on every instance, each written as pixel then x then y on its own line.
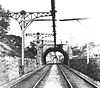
pixel 84 78
pixel 28 75
pixel 65 77
pixel 41 78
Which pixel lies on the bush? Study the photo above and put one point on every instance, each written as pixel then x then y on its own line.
pixel 93 69
pixel 79 64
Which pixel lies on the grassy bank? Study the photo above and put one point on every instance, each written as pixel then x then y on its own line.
pixel 92 69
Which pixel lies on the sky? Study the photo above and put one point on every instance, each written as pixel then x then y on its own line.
pixel 71 31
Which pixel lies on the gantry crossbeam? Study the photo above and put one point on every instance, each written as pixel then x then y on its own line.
pixel 27 17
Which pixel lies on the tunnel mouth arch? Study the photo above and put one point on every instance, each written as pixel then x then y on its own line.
pixel 56 49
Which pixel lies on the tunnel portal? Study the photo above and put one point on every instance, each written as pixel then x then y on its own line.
pixel 57 49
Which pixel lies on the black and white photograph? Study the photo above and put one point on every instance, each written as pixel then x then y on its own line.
pixel 49 44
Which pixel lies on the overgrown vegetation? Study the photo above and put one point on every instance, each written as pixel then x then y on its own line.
pixel 4 23
pixel 94 69
pixel 31 51
pixel 80 62
pixel 13 41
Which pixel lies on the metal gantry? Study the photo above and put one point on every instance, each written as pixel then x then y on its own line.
pixel 24 19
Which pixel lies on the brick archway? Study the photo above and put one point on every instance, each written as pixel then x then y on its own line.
pixel 52 49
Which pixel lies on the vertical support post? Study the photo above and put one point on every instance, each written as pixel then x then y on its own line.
pixel 69 57
pixel 53 11
pixel 88 57
pixel 23 45
pixel 68 53
pixel 87 53
pixel 42 52
pixel 37 61
pixel 23 13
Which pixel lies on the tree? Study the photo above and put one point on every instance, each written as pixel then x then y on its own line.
pixel 31 51
pixel 14 41
pixel 4 23
pixel 75 50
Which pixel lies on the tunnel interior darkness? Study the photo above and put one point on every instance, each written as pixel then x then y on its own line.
pixel 57 49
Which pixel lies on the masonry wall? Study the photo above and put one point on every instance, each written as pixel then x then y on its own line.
pixel 9 68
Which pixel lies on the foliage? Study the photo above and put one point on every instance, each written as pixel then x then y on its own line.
pixel 14 41
pixel 76 50
pixel 93 69
pixel 31 51
pixel 4 23
pixel 79 50
pixel 83 49
pixel 79 64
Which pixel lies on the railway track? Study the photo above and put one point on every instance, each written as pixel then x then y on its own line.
pixel 55 76
pixel 75 79
pixel 31 79
pixel 67 79
pixel 53 79
pixel 41 78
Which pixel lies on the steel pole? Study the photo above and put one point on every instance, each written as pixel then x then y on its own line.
pixel 37 40
pixel 53 11
pixel 42 52
pixel 87 53
pixel 23 42
pixel 23 45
